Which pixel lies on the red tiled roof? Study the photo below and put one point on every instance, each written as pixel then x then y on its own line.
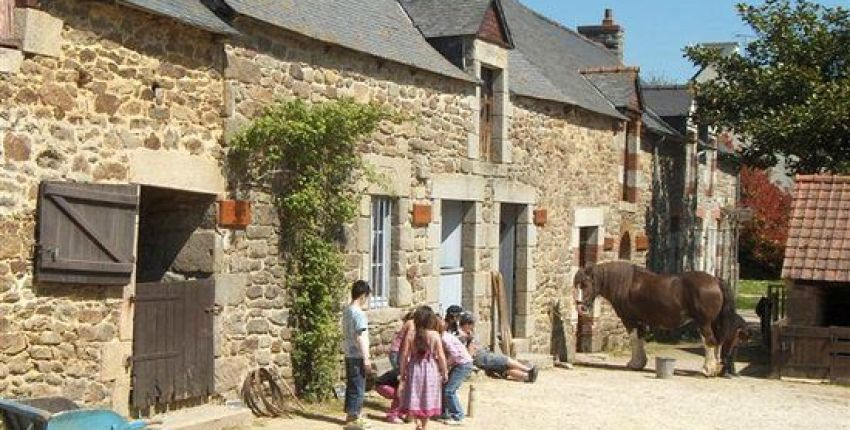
pixel 818 247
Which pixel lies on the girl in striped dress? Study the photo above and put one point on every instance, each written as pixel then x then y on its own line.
pixel 424 371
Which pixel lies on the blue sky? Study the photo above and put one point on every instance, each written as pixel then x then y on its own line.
pixel 657 30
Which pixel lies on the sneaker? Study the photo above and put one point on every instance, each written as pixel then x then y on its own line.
pixel 532 374
pixel 453 423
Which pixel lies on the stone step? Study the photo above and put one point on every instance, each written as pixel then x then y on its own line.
pixel 521 345
pixel 541 361
pixel 207 417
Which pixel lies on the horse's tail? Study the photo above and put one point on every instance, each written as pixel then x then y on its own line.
pixel 724 323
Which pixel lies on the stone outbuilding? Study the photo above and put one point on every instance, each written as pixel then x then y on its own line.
pixel 813 340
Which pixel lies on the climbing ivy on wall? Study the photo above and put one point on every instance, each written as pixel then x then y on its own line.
pixel 307 155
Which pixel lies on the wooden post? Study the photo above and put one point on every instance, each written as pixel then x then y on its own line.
pixel 470 406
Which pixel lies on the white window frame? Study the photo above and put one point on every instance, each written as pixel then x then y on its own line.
pixel 380 250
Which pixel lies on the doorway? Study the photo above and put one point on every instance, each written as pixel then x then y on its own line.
pixel 173 349
pixel 625 253
pixel 508 217
pixel 451 255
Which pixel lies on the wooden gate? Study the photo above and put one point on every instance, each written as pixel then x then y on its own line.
pixel 173 342
pixel 813 352
pixel 840 367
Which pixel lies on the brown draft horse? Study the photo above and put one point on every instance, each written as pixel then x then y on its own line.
pixel 643 299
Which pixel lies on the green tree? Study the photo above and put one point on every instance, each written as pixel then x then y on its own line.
pixel 788 92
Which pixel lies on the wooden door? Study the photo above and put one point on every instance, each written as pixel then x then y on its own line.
pixel 173 357
pixel 507 257
pixel 86 233
pixel 451 255
pixel 488 82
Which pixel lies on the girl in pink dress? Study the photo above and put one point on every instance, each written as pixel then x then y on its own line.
pixel 423 371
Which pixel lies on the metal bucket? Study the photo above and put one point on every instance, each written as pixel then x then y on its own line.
pixel 664 367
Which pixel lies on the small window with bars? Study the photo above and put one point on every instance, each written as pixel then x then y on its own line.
pixel 381 251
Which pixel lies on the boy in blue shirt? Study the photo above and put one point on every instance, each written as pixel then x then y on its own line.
pixel 355 327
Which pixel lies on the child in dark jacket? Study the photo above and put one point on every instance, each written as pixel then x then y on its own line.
pixel 728 349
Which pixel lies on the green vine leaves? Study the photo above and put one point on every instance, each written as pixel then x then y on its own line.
pixel 308 158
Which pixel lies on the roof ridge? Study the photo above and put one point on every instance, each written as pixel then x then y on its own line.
pixel 584 38
pixel 665 86
pixel 615 69
pixel 823 177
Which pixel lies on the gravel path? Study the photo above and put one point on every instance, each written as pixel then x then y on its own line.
pixel 607 397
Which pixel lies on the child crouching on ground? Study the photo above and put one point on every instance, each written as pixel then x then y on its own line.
pixel 487 361
pixel 460 362
pixel 739 334
pixel 389 380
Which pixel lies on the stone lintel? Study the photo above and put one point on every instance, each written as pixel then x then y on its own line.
pixel 490 54
pixel 176 170
pixel 505 191
pixel 394 175
pixel 458 187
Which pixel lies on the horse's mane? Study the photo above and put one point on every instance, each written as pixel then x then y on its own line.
pixel 614 279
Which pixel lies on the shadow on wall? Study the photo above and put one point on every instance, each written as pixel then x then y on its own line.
pixel 177 237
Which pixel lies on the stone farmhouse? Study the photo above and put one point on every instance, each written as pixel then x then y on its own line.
pixel 123 282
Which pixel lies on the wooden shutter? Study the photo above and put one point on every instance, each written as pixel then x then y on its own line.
pixel 86 233
pixel 488 80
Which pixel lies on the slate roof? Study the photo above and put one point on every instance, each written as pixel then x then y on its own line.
pixel 558 54
pixel 376 27
pixel 818 247
pixel 655 124
pixel 668 100
pixel 528 80
pixel 442 18
pixel 191 12
pixel 619 87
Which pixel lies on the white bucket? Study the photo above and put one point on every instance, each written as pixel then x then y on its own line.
pixel 664 367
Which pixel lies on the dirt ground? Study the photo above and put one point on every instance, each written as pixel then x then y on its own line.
pixel 603 395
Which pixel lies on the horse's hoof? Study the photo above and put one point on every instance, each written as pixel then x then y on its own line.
pixel 636 365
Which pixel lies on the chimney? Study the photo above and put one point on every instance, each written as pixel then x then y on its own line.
pixel 609 34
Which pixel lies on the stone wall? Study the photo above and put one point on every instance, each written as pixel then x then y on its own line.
pixel 268 63
pixel 80 117
pixel 574 159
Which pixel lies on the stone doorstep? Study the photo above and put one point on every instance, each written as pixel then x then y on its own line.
pixel 541 361
pixel 207 417
pixel 521 345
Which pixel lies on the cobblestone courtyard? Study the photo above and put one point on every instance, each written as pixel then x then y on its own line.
pixel 606 397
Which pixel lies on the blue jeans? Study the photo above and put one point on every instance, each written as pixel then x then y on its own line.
pixel 452 408
pixel 355 386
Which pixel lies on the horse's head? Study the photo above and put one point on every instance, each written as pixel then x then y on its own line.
pixel 584 289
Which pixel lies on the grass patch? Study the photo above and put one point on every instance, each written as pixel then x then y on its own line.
pixel 750 291
pixel 747 302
